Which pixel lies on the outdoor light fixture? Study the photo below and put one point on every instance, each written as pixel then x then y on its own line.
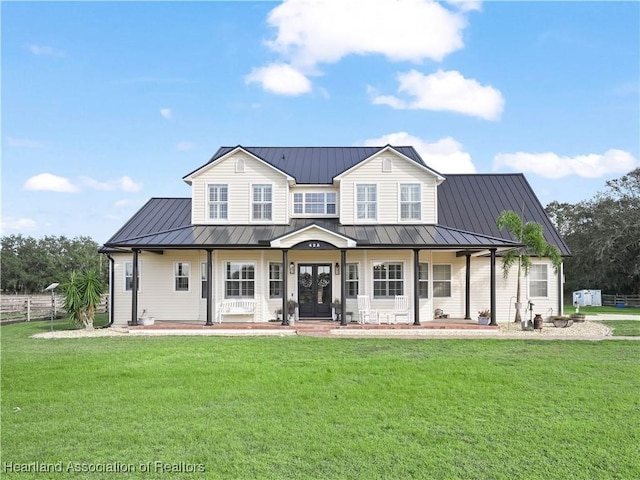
pixel 337 268
pixel 51 289
pixel 292 268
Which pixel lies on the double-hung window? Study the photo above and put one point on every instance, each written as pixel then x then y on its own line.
pixel 218 202
pixel 410 201
pixel 366 202
pixel 128 276
pixel 262 202
pixel 538 280
pixel 388 280
pixel 275 280
pixel 315 203
pixel 423 280
pixel 352 280
pixel 442 280
pixel 240 280
pixel 204 280
pixel 181 272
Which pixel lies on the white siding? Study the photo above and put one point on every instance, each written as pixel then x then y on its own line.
pixel 158 297
pixel 157 293
pixel 371 172
pixel 239 190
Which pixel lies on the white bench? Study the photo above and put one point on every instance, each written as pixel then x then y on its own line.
pixel 236 306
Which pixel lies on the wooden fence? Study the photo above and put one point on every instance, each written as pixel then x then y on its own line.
pixel 621 300
pixel 25 308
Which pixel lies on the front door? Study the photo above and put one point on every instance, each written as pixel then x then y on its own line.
pixel 314 291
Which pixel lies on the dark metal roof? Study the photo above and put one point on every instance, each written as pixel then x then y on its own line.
pixel 248 236
pixel 157 215
pixel 314 165
pixel 473 202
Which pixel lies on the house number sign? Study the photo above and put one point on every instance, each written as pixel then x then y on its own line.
pixel 314 245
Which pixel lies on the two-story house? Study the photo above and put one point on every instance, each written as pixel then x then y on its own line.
pixel 321 224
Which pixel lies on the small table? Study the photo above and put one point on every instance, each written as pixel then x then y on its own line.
pixel 386 313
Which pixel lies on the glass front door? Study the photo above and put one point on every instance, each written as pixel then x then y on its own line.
pixel 314 291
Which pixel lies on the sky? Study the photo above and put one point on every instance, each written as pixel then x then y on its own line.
pixel 107 104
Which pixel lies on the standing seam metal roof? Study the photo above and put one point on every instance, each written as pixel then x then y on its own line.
pixel 314 165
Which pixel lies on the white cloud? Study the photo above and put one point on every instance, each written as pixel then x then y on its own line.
pixel 310 33
pixel 324 31
pixel 466 5
pixel 51 183
pixel 448 91
pixel 125 203
pixel 125 184
pixel 551 165
pixel 23 143
pixel 18 224
pixel 166 113
pixel 445 156
pixel 45 50
pixel 184 146
pixel 128 185
pixel 280 78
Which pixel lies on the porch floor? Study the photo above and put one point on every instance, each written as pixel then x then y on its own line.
pixel 315 326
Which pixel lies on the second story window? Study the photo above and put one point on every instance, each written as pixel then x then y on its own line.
pixel 314 203
pixel 366 202
pixel 262 202
pixel 410 201
pixel 218 202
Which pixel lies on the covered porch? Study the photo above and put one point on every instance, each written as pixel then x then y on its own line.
pixel 318 266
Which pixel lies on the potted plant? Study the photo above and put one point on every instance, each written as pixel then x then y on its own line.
pixel 335 309
pixel 291 308
pixel 484 317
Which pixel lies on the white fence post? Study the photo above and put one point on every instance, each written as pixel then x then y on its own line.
pixel 28 309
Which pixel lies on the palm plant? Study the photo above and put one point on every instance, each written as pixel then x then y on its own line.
pixel 82 294
pixel 531 235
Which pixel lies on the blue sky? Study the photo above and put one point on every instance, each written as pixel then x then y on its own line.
pixel 105 105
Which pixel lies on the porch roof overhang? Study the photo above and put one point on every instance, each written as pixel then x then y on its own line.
pixel 436 237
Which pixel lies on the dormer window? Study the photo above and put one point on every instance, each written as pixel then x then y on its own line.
pixel 387 165
pixel 239 165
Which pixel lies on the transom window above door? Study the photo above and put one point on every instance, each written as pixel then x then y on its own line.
pixel 315 203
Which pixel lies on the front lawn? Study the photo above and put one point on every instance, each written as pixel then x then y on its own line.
pixel 569 309
pixel 318 408
pixel 623 328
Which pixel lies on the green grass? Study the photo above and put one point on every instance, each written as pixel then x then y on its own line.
pixel 623 328
pixel 321 408
pixel 569 309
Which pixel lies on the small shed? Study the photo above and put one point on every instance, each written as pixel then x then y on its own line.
pixel 588 298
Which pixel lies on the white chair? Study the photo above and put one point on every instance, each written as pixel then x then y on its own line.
pixel 365 314
pixel 401 308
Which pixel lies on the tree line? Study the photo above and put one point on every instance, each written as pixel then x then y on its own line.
pixel 603 234
pixel 29 265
